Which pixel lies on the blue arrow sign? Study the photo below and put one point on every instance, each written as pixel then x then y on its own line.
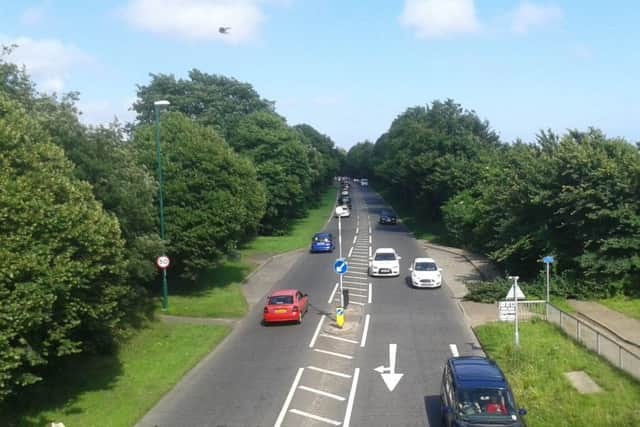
pixel 548 259
pixel 340 266
pixel 340 311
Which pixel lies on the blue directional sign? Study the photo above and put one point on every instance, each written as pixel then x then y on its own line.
pixel 339 311
pixel 340 266
pixel 548 259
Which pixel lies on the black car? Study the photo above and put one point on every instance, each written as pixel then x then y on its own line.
pixel 388 217
pixel 475 392
pixel 344 200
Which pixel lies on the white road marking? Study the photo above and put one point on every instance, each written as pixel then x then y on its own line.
pixel 338 338
pixel 351 294
pixel 322 393
pixel 370 240
pixel 327 371
pixel 355 290
pixel 315 334
pixel 352 396
pixel 335 288
pixel 357 229
pixel 365 331
pixel 356 303
pixel 344 356
pixel 354 283
pixel 454 350
pixel 369 251
pixel 358 263
pixel 360 256
pixel 370 293
pixel 315 417
pixel 350 250
pixel 357 272
pixel 369 230
pixel 361 279
pixel 287 401
pixel 361 267
pixel 354 239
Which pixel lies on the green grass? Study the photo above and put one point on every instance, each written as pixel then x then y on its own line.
pixel 624 305
pixel 117 390
pixel 216 293
pixel 536 373
pixel 562 304
pixel 301 232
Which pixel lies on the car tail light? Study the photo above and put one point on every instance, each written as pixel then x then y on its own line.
pixel 295 309
pixel 266 309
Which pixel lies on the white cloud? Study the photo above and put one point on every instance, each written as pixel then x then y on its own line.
pixel 103 112
pixel 197 19
pixel 48 61
pixel 529 15
pixel 439 18
pixel 33 15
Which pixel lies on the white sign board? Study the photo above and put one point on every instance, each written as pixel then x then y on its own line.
pixel 506 311
pixel 517 291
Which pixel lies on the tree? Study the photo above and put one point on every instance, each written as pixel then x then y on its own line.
pixel 212 198
pixel 62 287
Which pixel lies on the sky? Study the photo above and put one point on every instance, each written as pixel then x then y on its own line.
pixel 349 67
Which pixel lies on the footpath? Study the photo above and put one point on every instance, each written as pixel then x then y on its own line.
pixel 615 325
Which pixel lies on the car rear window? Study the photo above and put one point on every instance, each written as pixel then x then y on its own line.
pixel 281 300
pixel 385 257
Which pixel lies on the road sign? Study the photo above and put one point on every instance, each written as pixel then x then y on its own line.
pixel 340 266
pixel 506 311
pixel 515 289
pixel 163 262
pixel 548 259
pixel 340 316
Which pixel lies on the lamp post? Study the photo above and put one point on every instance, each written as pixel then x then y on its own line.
pixel 156 106
pixel 515 298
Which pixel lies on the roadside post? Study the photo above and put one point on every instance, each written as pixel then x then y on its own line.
pixel 340 267
pixel 548 260
pixel 163 263
pixel 515 293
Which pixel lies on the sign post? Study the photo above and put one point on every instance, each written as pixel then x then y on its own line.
pixel 340 267
pixel 163 263
pixel 548 260
pixel 515 296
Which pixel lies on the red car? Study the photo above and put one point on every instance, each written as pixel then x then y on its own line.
pixel 286 305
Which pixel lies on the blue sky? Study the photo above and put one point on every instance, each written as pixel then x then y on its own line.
pixel 349 68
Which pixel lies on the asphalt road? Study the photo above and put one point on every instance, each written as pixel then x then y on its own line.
pixel 315 374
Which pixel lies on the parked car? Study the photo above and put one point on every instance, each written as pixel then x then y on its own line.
pixel 287 305
pixel 425 273
pixel 475 392
pixel 322 242
pixel 384 262
pixel 387 217
pixel 342 211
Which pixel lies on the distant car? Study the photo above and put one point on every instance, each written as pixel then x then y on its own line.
pixel 322 242
pixel 384 262
pixel 342 211
pixel 425 273
pixel 344 193
pixel 364 182
pixel 344 200
pixel 387 217
pixel 287 305
pixel 475 392
pixel 356 180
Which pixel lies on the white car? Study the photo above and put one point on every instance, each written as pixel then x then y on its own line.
pixel 425 273
pixel 364 182
pixel 384 262
pixel 342 211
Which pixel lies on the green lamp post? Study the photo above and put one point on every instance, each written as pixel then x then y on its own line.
pixel 157 105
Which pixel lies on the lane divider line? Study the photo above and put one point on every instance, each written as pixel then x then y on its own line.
pixel 365 331
pixel 335 288
pixel 315 417
pixel 350 251
pixel 287 401
pixel 352 396
pixel 327 371
pixel 357 229
pixel 354 239
pixel 370 293
pixel 370 240
pixel 315 334
pixel 338 338
pixel 454 350
pixel 358 272
pixel 369 251
pixel 331 353
pixel 322 393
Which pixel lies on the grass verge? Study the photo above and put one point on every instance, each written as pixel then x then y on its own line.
pixel 117 390
pixel 301 232
pixel 536 373
pixel 624 305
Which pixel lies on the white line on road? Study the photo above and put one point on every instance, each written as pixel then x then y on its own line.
pixel 370 240
pixel 370 293
pixel 338 338
pixel 335 288
pixel 362 279
pixel 454 350
pixel 359 263
pixel 315 334
pixel 365 331
pixel 361 267
pixel 369 251
pixel 356 303
pixel 315 417
pixel 355 290
pixel 351 294
pixel 350 251
pixel 344 356
pixel 358 272
pixel 352 396
pixel 327 371
pixel 354 239
pixel 357 229
pixel 287 401
pixel 322 393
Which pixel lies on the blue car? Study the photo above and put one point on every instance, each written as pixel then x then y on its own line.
pixel 322 242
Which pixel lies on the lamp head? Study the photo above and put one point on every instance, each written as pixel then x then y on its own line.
pixel 162 103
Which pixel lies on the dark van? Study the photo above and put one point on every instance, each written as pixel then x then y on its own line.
pixel 475 393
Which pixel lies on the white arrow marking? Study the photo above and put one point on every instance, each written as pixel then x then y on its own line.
pixel 391 379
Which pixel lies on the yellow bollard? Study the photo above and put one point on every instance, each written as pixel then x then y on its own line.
pixel 340 317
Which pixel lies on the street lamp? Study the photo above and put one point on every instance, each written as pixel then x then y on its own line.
pixel 156 106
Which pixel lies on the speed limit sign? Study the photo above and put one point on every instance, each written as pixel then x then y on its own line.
pixel 163 262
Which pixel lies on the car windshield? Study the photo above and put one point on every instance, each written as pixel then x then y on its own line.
pixel 281 300
pixel 485 403
pixel 426 266
pixel 385 256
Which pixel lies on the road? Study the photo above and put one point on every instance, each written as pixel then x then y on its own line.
pixel 316 374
